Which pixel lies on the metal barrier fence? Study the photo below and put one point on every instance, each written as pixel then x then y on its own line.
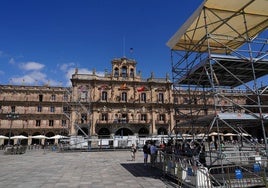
pixel 188 174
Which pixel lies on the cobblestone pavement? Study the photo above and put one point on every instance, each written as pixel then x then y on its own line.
pixel 110 169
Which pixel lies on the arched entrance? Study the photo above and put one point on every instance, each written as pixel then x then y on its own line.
pixel 104 133
pixel 123 132
pixel 36 141
pixel 143 132
pixel 80 133
pixel 9 140
pixel 162 131
pixel 23 141
pixel 50 141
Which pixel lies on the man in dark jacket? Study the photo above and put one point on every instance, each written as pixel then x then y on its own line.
pixel 146 149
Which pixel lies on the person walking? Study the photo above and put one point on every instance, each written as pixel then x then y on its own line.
pixel 153 152
pixel 146 151
pixel 133 152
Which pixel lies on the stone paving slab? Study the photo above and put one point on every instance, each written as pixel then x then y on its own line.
pixel 110 169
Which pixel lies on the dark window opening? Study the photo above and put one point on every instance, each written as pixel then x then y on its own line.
pixel 40 98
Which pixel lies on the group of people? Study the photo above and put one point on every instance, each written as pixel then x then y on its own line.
pixel 149 149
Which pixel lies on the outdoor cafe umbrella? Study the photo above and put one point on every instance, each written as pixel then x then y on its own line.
pixel 186 135
pixel 245 134
pixel 57 137
pixel 230 135
pixel 201 135
pixel 215 134
pixel 39 137
pixel 3 137
pixel 19 137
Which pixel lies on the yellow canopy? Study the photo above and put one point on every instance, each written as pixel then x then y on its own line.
pixel 226 22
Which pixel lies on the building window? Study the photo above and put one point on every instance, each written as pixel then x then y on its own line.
pixel 52 109
pixel 124 71
pixel 104 117
pixel 39 108
pixel 83 95
pixel 38 123
pixel 13 109
pixel 131 73
pixel 143 117
pixel 186 100
pixel 65 97
pixel 104 96
pixel 195 101
pixel 116 72
pixel 53 97
pixel 162 117
pixel 40 98
pixel 63 122
pixel 176 100
pixel 124 97
pixel 124 118
pixel 65 109
pixel 143 97
pixel 51 123
pixel 83 118
pixel 160 97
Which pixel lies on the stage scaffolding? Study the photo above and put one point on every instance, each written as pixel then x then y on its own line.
pixel 220 54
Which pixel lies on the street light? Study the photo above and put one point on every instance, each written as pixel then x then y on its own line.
pixel 12 116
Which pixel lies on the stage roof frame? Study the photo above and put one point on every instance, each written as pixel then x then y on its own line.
pixel 232 22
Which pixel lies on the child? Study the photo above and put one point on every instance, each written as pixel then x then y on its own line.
pixel 133 152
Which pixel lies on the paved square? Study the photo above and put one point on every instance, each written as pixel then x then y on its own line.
pixel 110 169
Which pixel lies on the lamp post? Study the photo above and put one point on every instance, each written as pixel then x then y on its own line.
pixel 12 116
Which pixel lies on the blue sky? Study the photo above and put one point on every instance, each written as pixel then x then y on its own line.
pixel 41 42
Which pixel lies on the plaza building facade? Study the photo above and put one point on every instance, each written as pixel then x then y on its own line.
pixel 32 110
pixel 121 102
pixel 117 103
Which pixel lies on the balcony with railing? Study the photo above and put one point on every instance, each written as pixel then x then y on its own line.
pixel 162 122
pixel 123 121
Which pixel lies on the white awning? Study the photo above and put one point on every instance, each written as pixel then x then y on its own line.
pixel 224 19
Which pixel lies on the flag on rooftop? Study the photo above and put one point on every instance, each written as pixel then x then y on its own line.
pixel 123 86
pixel 140 89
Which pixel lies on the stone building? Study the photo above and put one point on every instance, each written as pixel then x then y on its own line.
pixel 121 102
pixel 117 103
pixel 32 110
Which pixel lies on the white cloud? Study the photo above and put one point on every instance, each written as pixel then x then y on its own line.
pixel 66 66
pixel 31 78
pixel 11 61
pixel 32 66
pixel 35 78
pixel 71 71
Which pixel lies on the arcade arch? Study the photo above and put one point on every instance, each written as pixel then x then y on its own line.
pixel 104 133
pixel 143 132
pixel 162 131
pixel 80 133
pixel 123 132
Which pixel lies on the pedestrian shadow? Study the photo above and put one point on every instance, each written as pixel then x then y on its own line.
pixel 139 170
